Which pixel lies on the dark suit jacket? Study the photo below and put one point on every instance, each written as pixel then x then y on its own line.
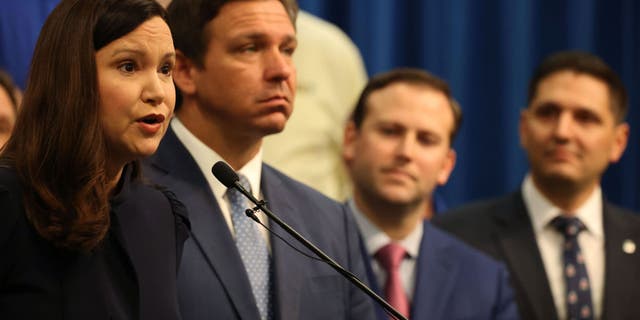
pixel 212 281
pixel 502 228
pixel 131 275
pixel 455 281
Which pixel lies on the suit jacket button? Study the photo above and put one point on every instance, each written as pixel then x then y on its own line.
pixel 628 246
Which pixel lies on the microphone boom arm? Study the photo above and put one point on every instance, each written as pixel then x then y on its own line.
pixel 262 206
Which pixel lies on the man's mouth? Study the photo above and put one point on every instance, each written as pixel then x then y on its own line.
pixel 397 173
pixel 275 97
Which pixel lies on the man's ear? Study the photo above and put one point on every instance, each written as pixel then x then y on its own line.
pixel 447 167
pixel 523 127
pixel 620 142
pixel 348 142
pixel 184 74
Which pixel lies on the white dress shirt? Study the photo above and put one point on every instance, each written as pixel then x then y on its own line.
pixel 205 157
pixel 550 243
pixel 374 239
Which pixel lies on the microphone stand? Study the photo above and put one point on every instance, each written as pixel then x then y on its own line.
pixel 261 205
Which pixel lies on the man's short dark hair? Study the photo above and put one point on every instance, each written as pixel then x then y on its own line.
pixel 586 63
pixel 409 76
pixel 188 18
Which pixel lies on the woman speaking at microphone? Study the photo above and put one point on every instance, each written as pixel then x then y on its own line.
pixel 81 235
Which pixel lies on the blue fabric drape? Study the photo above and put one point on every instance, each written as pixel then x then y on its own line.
pixel 487 51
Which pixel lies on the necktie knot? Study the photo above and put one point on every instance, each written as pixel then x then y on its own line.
pixel 568 226
pixel 390 256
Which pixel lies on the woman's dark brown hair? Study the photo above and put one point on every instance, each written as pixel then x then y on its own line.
pixel 58 147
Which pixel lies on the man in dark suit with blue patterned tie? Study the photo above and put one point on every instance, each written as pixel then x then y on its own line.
pixel 571 254
pixel 237 81
pixel 397 148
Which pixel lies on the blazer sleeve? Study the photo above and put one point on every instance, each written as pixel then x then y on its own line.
pixel 505 307
pixel 10 212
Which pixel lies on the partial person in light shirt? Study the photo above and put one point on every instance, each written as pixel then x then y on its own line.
pixel 397 148
pixel 571 254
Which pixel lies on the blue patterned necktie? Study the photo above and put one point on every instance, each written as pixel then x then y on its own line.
pixel 578 293
pixel 253 250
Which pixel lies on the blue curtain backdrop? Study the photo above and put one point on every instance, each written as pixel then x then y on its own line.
pixel 20 24
pixel 486 50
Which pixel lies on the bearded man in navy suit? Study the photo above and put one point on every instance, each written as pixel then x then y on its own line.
pixel 397 147
pixel 235 74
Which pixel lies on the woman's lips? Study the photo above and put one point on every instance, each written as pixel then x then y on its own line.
pixel 151 123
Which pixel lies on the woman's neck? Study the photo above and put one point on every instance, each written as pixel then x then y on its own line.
pixel 112 175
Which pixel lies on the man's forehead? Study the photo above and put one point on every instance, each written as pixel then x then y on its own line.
pixel 242 22
pixel 416 102
pixel 569 87
pixel 248 13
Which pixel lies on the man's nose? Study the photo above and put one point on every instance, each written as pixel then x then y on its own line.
pixel 278 65
pixel 563 126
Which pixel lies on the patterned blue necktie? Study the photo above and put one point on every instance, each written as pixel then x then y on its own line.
pixel 578 295
pixel 253 250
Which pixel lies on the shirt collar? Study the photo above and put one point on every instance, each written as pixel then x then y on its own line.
pixel 374 238
pixel 205 157
pixel 542 211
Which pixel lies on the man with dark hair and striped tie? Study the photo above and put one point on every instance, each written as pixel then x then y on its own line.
pixel 571 254
pixel 235 74
pixel 397 148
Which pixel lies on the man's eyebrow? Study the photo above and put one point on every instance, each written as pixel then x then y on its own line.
pixel 290 39
pixel 260 36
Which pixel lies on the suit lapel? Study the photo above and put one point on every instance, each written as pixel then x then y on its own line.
pixel 621 264
pixel 209 229
pixel 288 277
pixel 371 277
pixel 124 226
pixel 436 275
pixel 516 237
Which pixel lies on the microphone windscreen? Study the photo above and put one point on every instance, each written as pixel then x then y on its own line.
pixel 224 174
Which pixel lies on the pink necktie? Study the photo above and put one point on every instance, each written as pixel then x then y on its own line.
pixel 390 257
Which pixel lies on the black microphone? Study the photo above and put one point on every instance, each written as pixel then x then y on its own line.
pixel 225 174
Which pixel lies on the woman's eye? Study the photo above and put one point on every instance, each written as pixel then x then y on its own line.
pixel 127 67
pixel 166 69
